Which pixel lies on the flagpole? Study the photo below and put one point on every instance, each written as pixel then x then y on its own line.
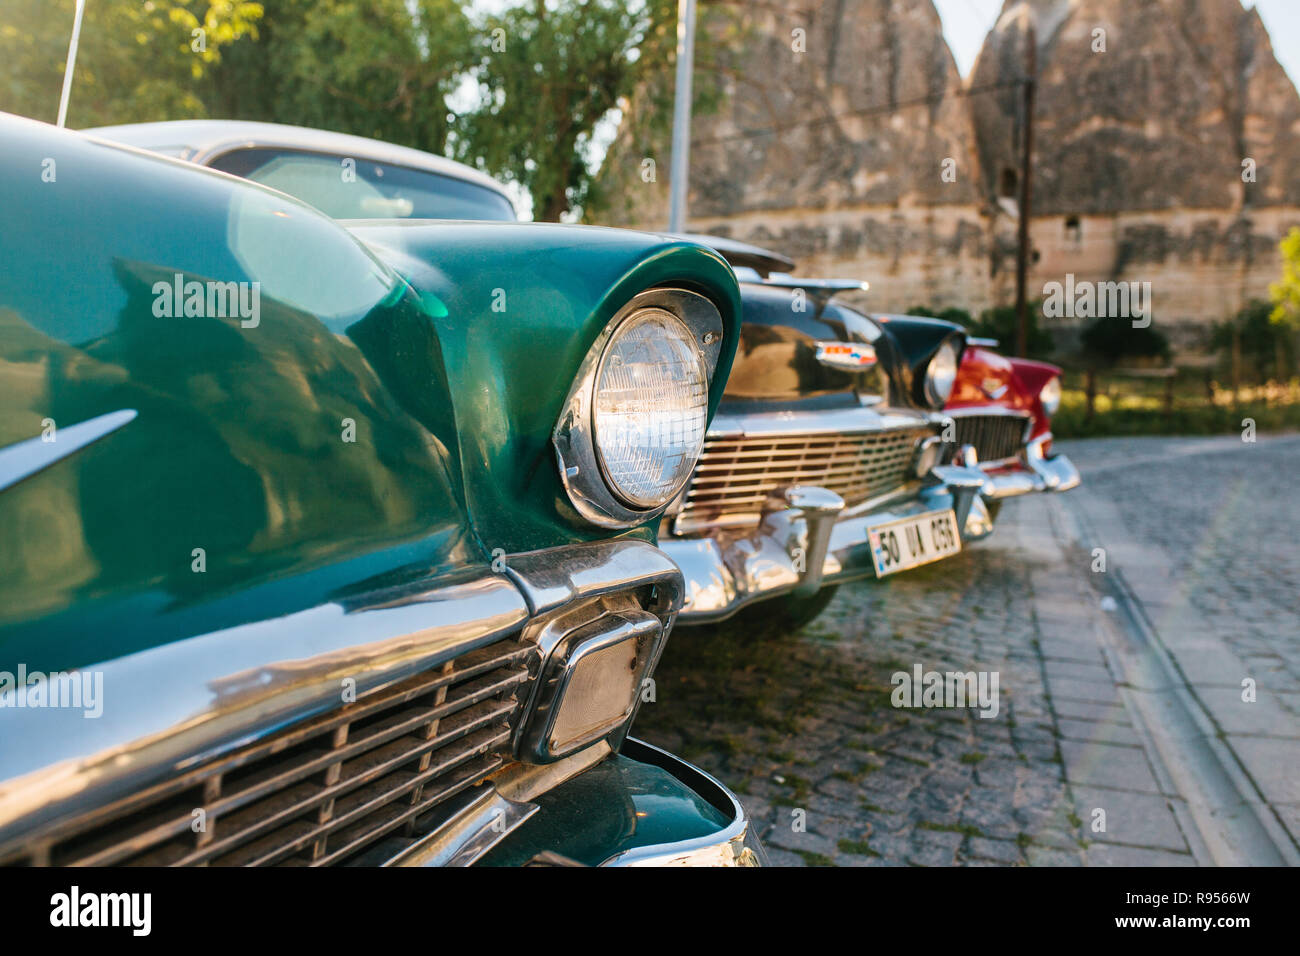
pixel 682 115
pixel 72 60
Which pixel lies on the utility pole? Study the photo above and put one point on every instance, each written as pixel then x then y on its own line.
pixel 72 61
pixel 1026 158
pixel 682 115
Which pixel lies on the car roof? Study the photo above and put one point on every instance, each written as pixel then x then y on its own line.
pixel 200 140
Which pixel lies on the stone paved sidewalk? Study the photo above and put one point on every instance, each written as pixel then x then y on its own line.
pixel 803 728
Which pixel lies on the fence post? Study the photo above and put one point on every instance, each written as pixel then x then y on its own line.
pixel 1236 367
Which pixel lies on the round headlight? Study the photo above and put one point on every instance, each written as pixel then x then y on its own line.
pixel 1050 396
pixel 941 374
pixel 650 408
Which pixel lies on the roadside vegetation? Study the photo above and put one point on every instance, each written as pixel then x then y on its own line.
pixel 1121 380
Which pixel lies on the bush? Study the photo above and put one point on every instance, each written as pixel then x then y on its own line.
pixel 1108 340
pixel 1268 348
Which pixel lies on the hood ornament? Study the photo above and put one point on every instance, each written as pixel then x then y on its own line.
pixel 850 356
pixel 993 388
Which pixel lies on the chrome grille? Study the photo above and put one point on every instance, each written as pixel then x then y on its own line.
pixel 735 475
pixel 995 437
pixel 318 792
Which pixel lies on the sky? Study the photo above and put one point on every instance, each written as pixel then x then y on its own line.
pixel 965 23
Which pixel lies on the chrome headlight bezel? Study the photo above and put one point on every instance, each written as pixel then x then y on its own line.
pixel 941 373
pixel 1049 396
pixel 582 469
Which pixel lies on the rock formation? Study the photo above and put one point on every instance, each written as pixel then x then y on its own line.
pixel 1167 138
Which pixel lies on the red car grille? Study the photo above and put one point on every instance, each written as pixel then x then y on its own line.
pixel 995 437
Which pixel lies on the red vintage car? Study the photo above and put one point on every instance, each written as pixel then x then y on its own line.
pixel 1001 412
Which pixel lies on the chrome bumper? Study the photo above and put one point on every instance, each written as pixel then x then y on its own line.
pixel 640 806
pixel 735 844
pixel 1034 472
pixel 808 539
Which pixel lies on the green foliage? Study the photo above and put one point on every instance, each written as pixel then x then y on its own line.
pixel 535 84
pixel 547 74
pixel 366 67
pixel 1107 340
pixel 1285 293
pixel 1268 346
pixel 1001 323
pixel 1187 418
pixel 138 60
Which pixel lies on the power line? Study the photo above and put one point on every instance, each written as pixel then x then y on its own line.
pixel 866 111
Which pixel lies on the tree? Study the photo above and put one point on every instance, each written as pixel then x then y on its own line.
pixel 547 74
pixel 138 60
pixel 1253 337
pixel 1285 293
pixel 377 68
pixel 1108 340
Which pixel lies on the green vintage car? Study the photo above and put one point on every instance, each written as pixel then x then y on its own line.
pixel 326 545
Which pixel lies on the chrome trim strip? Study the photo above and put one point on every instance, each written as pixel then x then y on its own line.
pixel 473 830
pixel 25 458
pixel 823 421
pixel 970 411
pixel 547 581
pixel 523 782
pixel 730 846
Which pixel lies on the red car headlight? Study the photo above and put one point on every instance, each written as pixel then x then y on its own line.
pixel 1050 395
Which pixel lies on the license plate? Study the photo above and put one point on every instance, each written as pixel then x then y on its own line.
pixel 911 542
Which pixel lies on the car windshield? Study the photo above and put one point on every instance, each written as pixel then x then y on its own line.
pixel 347 188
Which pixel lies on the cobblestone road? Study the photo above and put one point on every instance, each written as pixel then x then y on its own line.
pixel 802 725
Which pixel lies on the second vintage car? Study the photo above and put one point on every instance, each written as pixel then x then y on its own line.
pixel 896 416
pixel 825 463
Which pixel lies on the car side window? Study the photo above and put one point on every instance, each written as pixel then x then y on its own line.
pixel 345 187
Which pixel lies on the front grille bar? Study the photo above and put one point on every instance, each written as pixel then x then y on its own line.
pixel 736 475
pixel 318 791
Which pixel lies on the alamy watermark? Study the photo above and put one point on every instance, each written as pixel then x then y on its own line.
pixel 922 688
pixel 208 300
pixel 1096 300
pixel 83 690
pixel 133 911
